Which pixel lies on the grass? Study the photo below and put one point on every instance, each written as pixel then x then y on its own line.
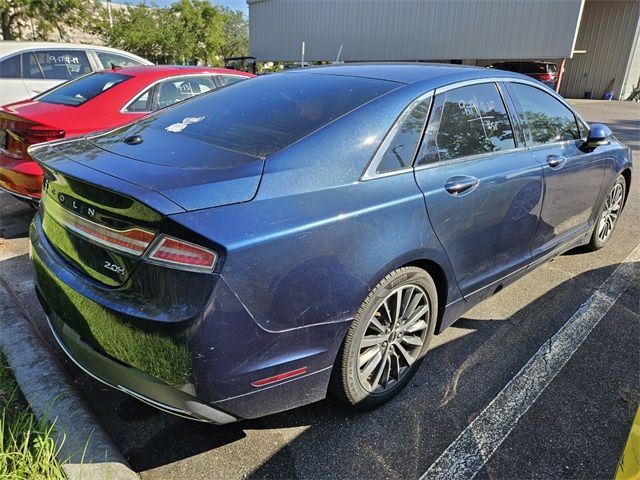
pixel 27 448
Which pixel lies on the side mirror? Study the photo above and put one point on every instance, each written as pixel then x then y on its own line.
pixel 598 135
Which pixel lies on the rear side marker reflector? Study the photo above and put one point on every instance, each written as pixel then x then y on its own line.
pixel 171 252
pixel 280 377
pixel 133 241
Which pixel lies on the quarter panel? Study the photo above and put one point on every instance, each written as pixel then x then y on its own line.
pixel 311 258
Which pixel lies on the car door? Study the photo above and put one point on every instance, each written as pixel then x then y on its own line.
pixel 482 189
pixel 44 69
pixel 573 176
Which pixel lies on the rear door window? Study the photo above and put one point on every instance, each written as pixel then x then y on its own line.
pixel 405 138
pixel 230 79
pixel 143 102
pixel 83 89
pixel 10 67
pixel 178 89
pixel 545 118
pixel 31 69
pixel 63 64
pixel 467 121
pixel 109 60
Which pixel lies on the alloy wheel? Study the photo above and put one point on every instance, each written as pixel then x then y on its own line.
pixel 393 338
pixel 610 212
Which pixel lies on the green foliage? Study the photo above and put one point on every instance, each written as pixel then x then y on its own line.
pixel 201 27
pixel 27 448
pixel 45 16
pixel 152 33
pixel 236 33
pixel 187 32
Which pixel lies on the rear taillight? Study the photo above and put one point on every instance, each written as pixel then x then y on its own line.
pixel 546 77
pixel 39 134
pixel 133 241
pixel 175 253
pixel 23 134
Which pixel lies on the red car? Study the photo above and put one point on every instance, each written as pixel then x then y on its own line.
pixel 97 101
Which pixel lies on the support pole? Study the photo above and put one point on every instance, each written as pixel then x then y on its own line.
pixel 564 60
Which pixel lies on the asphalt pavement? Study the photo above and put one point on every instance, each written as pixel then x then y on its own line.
pixel 575 428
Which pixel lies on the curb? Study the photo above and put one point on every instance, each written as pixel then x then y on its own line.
pixel 86 449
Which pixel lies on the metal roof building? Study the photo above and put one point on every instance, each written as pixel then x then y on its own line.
pixel 472 31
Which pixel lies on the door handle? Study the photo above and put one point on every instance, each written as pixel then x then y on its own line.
pixel 555 160
pixel 459 184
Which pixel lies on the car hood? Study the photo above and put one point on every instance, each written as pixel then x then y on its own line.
pixel 192 174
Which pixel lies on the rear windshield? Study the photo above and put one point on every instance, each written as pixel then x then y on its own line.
pixel 268 113
pixel 83 89
pixel 540 68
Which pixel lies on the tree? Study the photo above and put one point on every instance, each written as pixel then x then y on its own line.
pixel 45 16
pixel 201 29
pixel 150 32
pixel 190 31
pixel 236 33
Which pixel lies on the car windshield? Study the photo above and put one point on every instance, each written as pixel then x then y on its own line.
pixel 83 89
pixel 266 114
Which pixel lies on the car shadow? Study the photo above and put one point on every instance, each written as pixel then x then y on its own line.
pixel 467 366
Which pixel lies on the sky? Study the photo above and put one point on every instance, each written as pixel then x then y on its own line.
pixel 233 4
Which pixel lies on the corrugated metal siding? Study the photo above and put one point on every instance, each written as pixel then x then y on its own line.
pixel 633 72
pixel 396 30
pixel 608 34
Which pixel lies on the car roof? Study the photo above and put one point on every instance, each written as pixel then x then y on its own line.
pixel 407 73
pixel 8 47
pixel 170 70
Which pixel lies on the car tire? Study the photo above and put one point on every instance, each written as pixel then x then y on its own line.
pixel 609 214
pixel 387 340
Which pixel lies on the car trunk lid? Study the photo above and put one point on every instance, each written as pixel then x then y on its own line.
pixel 191 173
pixel 99 224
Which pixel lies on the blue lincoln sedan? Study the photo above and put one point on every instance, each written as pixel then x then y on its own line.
pixel 247 251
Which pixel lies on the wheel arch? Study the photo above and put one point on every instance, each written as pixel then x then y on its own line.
pixel 626 174
pixel 439 277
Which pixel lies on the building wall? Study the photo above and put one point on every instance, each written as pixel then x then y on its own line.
pixel 609 33
pixel 397 30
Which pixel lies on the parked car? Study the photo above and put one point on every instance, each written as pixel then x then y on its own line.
pixel 96 101
pixel 235 255
pixel 545 72
pixel 30 68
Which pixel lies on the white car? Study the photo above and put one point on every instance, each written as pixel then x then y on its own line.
pixel 30 68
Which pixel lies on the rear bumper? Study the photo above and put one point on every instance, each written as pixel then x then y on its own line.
pixel 130 380
pixel 201 367
pixel 20 178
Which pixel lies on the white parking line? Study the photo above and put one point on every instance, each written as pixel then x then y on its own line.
pixel 468 453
